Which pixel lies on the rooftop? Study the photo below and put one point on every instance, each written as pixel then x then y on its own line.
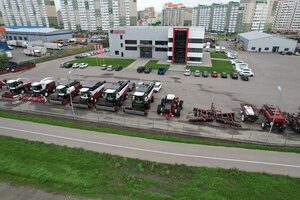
pixel 253 35
pixel 31 29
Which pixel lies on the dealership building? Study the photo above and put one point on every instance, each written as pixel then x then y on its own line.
pixel 177 45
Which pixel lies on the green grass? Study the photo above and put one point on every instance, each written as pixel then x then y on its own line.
pixel 139 133
pixel 218 55
pixel 108 61
pixel 153 64
pixel 217 65
pixel 76 171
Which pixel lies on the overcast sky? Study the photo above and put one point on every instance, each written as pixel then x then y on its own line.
pixel 158 4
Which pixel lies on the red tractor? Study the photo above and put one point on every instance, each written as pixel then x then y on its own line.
pixel 41 90
pixel 170 106
pixel 17 87
pixel 249 112
pixel 64 90
pixel 274 116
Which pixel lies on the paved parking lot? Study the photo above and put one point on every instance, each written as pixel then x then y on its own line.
pixel 271 70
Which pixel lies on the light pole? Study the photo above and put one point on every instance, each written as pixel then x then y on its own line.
pixel 73 113
pixel 272 123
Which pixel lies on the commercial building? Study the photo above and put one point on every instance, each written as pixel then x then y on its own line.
pixel 36 33
pixel 176 15
pixel 263 42
pixel 29 13
pixel 97 15
pixel 178 45
pixel 222 18
pixel 287 17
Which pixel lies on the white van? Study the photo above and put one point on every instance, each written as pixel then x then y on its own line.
pixel 217 48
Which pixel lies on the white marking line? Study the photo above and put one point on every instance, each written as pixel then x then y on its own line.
pixel 152 151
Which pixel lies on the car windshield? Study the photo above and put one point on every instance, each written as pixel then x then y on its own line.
pixel 138 99
pixel 110 96
pixel 13 84
pixel 37 87
pixel 62 91
pixel 85 95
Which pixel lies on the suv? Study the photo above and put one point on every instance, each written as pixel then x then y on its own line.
pixel 187 72
pixel 140 69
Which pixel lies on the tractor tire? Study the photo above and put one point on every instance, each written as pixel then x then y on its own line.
pixel 281 128
pixel 263 125
pixel 159 109
pixel 163 102
pixel 177 112
pixel 152 99
pixel 180 104
pixel 173 110
pixel 46 94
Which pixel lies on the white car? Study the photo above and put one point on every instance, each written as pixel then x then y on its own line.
pixel 75 65
pixel 223 49
pixel 83 65
pixel 217 48
pixel 232 55
pixel 157 86
pixel 246 72
pixel 110 68
pixel 240 66
pixel 233 62
pixel 187 72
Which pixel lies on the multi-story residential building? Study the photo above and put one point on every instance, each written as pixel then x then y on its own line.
pixel 287 17
pixel 217 17
pixel 96 15
pixel 29 13
pixel 150 12
pixel 176 15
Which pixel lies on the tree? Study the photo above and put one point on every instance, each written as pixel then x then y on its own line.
pixel 4 60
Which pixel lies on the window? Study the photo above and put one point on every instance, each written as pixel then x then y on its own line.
pixel 15 37
pixel 195 40
pixel 194 59
pixel 252 48
pixel 169 57
pixel 170 48
pixel 161 42
pixel 145 42
pixel 116 52
pixel 286 49
pixel 111 31
pixel 161 49
pixel 121 37
pixel 10 37
pixel 20 38
pixel 267 49
pixel 170 40
pixel 121 44
pixel 195 50
pixel 131 48
pixel 130 42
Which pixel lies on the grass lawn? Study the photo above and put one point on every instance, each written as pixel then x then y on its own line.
pixel 108 61
pixel 217 65
pixel 138 133
pixel 218 55
pixel 80 172
pixel 153 64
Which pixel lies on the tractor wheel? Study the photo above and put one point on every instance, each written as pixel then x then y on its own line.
pixel 281 128
pixel 180 104
pixel 53 90
pixel 159 108
pixel 177 112
pixel 243 117
pixel 147 106
pixel 173 110
pixel 163 102
pixel 152 99
pixel 263 125
pixel 22 91
pixel 46 94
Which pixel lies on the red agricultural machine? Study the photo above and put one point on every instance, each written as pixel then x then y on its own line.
pixel 40 90
pixel 89 94
pixel 16 87
pixel 113 96
pixel 170 106
pixel 249 112
pixel 274 116
pixel 293 121
pixel 64 90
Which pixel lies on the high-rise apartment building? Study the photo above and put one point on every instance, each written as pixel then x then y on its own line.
pixel 95 15
pixel 150 12
pixel 176 15
pixel 287 17
pixel 222 18
pixel 1 19
pixel 29 13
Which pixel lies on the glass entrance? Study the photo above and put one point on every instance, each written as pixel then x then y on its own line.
pixel 180 47
pixel 146 52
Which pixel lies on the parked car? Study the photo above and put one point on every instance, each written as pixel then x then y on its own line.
pixel 234 75
pixel 104 67
pixel 240 66
pixel 62 65
pixel 68 65
pixel 147 70
pixel 187 72
pixel 140 69
pixel 162 71
pixel 223 75
pixel 83 65
pixel 205 74
pixel 297 53
pixel 234 61
pixel 245 78
pixel 75 65
pixel 157 86
pixel 214 74
pixel 10 47
pixel 197 73
pixel 118 68
pixel 247 72
pixel 110 68
pixel 131 87
pixel 78 56
pixel 223 49
pixel 231 55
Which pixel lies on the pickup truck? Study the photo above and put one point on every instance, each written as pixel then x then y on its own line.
pixel 161 71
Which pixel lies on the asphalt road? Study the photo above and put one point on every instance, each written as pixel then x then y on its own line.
pixel 159 151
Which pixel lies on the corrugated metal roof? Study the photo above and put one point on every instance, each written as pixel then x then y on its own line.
pixel 31 29
pixel 253 35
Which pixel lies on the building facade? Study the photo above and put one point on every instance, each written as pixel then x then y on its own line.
pixel 222 18
pixel 176 15
pixel 29 13
pixel 97 15
pixel 178 45
pixel 287 17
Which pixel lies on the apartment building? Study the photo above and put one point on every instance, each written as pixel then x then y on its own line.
pixel 96 15
pixel 176 15
pixel 29 13
pixel 1 19
pixel 287 17
pixel 223 18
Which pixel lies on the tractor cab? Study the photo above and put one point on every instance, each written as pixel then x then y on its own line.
pixel 36 87
pixel 61 90
pixel 84 93
pixel 110 95
pixel 13 84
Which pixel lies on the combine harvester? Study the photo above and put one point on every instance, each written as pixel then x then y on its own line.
pixel 141 99
pixel 170 106
pixel 90 92
pixel 293 121
pixel 113 96
pixel 40 90
pixel 273 115
pixel 64 90
pixel 16 88
pixel 249 112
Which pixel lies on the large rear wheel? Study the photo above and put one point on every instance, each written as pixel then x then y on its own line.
pixel 159 108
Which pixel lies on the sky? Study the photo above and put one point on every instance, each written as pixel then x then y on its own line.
pixel 158 4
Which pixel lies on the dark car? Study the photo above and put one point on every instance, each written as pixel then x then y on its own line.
pixel 131 87
pixel 78 56
pixel 224 75
pixel 214 74
pixel 147 70
pixel 68 65
pixel 205 74
pixel 140 69
pixel 161 71
pixel 118 68
pixel 234 75
pixel 245 78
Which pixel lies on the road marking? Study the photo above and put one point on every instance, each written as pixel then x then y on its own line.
pixel 152 151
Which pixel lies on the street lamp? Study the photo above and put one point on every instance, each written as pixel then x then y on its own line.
pixel 73 113
pixel 272 123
